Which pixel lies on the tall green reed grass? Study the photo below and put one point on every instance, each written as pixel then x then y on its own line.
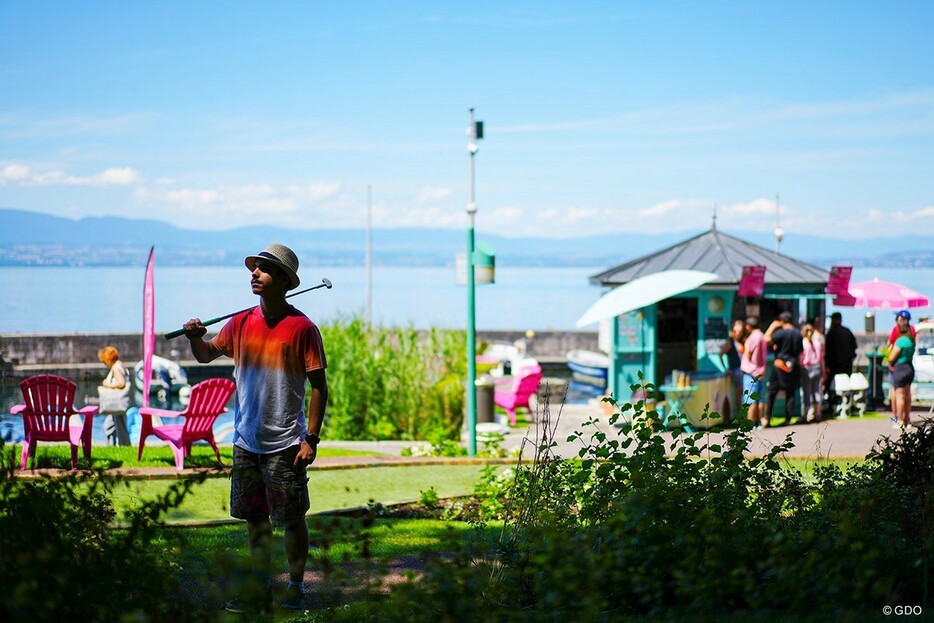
pixel 394 383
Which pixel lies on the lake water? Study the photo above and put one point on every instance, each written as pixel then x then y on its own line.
pixel 109 300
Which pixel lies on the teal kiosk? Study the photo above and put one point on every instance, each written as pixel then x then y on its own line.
pixel 676 341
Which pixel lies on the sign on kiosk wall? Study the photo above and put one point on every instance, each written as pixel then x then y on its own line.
pixel 753 281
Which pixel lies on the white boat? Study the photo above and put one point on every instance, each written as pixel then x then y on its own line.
pixel 167 376
pixel 589 366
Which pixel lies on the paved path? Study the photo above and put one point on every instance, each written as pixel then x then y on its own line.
pixel 850 438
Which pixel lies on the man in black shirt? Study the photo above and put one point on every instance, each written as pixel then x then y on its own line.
pixel 787 344
pixel 841 348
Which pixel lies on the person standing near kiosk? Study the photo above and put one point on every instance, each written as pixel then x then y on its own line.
pixel 787 344
pixel 752 364
pixel 841 348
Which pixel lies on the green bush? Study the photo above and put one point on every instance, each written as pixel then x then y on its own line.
pixel 642 527
pixel 394 383
pixel 61 559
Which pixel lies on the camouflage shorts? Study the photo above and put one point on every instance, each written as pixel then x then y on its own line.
pixel 267 485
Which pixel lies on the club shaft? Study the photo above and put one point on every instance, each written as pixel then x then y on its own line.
pixel 206 323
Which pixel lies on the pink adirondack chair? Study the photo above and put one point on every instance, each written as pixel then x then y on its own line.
pixel 47 415
pixel 515 394
pixel 208 400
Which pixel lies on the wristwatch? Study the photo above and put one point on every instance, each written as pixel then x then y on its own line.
pixel 312 440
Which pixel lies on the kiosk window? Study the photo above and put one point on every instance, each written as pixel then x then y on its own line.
pixel 715 334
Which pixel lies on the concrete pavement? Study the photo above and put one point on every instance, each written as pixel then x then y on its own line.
pixel 851 438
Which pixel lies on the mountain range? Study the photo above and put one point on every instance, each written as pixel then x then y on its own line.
pixel 35 239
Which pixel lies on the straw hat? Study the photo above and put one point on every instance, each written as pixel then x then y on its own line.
pixel 281 256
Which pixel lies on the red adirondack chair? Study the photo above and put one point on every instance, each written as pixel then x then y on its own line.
pixel 208 400
pixel 515 394
pixel 47 416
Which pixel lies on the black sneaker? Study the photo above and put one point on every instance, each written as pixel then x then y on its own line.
pixel 294 598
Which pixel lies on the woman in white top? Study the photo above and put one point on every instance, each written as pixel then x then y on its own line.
pixel 114 393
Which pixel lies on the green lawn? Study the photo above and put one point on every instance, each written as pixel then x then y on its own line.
pixel 344 488
pixel 339 537
pixel 329 489
pixel 211 559
pixel 111 457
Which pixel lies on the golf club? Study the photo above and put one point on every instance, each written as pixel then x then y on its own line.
pixel 325 283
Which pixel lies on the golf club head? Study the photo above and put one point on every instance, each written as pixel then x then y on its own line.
pixel 327 283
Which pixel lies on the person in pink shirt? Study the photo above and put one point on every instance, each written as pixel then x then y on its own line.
pixel 753 366
pixel 811 369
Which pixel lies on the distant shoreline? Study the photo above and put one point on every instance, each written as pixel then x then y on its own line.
pixel 131 258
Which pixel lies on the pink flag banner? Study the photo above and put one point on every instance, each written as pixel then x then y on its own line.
pixel 839 281
pixel 752 282
pixel 149 324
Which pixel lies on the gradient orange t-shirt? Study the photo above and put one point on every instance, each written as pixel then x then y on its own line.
pixel 271 366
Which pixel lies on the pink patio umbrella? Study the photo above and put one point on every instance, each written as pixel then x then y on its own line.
pixel 877 294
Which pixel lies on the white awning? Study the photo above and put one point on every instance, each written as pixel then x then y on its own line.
pixel 643 292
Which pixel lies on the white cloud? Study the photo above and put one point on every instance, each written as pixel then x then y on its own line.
pixel 575 215
pixel 251 191
pixel 761 207
pixel 116 177
pixel 191 198
pixel 316 191
pixel 21 175
pixel 13 173
pixel 507 214
pixel 660 209
pixel 428 194
pixel 220 207
pixel 902 216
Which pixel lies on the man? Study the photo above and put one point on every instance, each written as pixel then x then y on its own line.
pixel 275 348
pixel 841 347
pixel 752 364
pixel 787 344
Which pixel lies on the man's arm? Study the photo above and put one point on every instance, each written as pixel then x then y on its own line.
pixel 316 406
pixel 204 352
pixel 775 326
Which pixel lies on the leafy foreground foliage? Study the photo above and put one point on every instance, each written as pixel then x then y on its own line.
pixel 641 529
pixel 61 560
pixel 637 529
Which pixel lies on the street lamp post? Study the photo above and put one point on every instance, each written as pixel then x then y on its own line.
pixel 474 133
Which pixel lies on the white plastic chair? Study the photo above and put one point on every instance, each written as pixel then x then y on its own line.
pixel 841 387
pixel 859 384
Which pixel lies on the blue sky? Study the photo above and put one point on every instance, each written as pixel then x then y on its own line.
pixel 600 116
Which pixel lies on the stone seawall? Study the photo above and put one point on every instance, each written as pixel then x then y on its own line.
pixel 75 355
